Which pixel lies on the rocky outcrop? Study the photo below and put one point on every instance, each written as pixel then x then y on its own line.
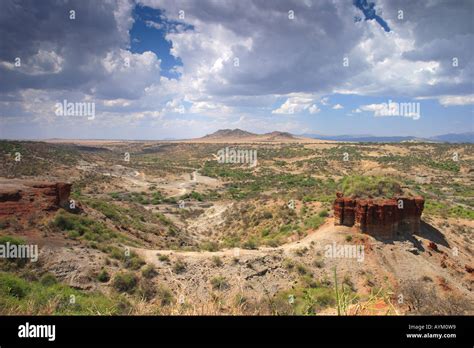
pixel 380 217
pixel 22 198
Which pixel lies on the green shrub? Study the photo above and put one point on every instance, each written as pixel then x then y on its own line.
pixel 363 186
pixel 73 234
pixel 318 263
pixel 149 272
pixel 17 262
pixel 125 282
pixel 30 297
pixel 48 279
pixel 11 240
pixel 133 262
pixel 146 290
pixel 301 269
pixel 314 222
pixel 217 261
pixel 305 301
pixel 103 276
pixel 323 213
pixel 179 266
pixel 209 246
pixel 219 283
pixel 289 264
pixel 165 295
pixel 11 285
pixel 76 225
pixel 250 244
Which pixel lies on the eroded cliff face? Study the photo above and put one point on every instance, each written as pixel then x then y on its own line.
pixel 380 217
pixel 22 198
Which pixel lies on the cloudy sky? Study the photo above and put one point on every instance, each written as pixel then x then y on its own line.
pixel 157 69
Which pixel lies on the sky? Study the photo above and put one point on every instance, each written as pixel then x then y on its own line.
pixel 159 69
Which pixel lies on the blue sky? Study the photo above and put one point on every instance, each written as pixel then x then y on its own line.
pixel 181 69
pixel 148 34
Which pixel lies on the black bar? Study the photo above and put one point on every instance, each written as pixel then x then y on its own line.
pixel 221 331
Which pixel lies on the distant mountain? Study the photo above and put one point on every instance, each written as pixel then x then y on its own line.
pixel 241 134
pixel 467 137
pixel 229 133
pixel 278 135
pixel 448 138
pixel 360 138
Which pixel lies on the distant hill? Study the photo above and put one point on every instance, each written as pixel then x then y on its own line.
pixel 239 134
pixel 278 135
pixel 230 133
pixel 448 138
pixel 467 137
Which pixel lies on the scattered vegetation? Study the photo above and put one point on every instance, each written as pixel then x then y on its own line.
pixel 125 282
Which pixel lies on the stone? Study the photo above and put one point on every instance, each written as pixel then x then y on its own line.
pixel 22 198
pixel 433 246
pixel 379 217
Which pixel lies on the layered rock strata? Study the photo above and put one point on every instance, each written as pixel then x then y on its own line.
pixel 380 217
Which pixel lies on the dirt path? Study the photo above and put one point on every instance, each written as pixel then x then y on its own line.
pixel 322 233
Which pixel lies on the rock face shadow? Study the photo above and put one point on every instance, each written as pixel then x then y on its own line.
pixel 426 231
pixel 431 233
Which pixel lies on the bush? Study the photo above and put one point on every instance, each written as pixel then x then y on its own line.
pixel 149 272
pixel 305 301
pixel 179 267
pixel 165 295
pixel 217 261
pixel 219 283
pixel 318 263
pixel 163 258
pixel 48 279
pixel 133 262
pixel 11 240
pixel 301 251
pixel 125 282
pixel 29 297
pixel 147 290
pixel 76 225
pixel 376 186
pixel 18 261
pixel 250 244
pixel 301 269
pixel 11 285
pixel 314 222
pixel 103 276
pixel 323 213
pixel 209 246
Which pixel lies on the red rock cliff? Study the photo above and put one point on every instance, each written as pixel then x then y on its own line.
pixel 380 217
pixel 21 198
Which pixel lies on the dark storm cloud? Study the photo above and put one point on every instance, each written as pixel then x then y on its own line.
pixel 303 54
pixel 26 27
pixel 443 32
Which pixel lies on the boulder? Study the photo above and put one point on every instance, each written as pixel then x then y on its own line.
pixel 22 198
pixel 379 217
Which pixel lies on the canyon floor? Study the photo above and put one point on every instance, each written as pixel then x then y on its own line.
pixel 165 228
